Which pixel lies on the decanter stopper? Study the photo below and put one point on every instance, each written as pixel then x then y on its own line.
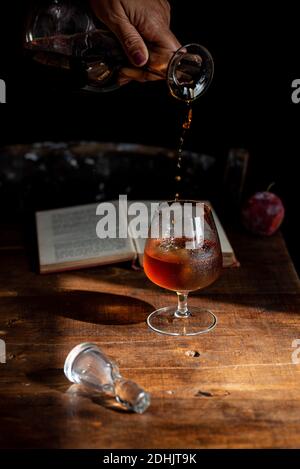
pixel 86 364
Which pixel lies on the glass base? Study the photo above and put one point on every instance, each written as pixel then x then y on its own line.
pixel 199 321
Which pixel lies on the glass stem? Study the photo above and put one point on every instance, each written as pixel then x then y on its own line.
pixel 182 309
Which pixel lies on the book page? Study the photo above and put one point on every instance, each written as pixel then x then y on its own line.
pixel 229 259
pixel 69 235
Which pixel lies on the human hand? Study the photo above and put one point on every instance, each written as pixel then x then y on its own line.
pixel 143 28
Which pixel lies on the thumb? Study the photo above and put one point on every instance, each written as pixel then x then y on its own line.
pixel 132 43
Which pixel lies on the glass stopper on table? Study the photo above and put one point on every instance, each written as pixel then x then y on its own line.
pixel 86 364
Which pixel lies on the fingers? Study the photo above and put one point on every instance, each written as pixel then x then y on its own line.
pixel 137 23
pixel 168 40
pixel 112 13
pixel 122 80
pixel 137 74
pixel 132 43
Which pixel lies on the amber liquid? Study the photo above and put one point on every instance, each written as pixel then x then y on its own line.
pixel 187 122
pixel 170 265
pixel 91 59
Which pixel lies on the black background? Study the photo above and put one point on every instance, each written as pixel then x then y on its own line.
pixel 248 105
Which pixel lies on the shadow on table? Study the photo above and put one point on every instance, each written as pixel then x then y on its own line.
pixel 92 307
pixel 54 379
pixel 76 391
pixel 235 287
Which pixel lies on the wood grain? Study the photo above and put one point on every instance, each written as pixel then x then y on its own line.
pixel 239 389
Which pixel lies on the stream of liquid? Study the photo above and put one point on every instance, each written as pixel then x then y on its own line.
pixel 186 125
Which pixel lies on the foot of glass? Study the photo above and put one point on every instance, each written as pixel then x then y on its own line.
pixel 199 321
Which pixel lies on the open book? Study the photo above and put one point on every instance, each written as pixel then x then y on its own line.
pixel 67 240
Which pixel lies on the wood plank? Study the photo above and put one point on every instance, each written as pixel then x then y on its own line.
pixel 240 390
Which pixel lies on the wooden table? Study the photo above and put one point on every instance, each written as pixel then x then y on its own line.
pixel 240 390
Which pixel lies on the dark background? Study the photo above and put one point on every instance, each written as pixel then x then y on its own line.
pixel 248 105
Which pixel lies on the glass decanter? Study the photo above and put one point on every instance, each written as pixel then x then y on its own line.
pixel 62 36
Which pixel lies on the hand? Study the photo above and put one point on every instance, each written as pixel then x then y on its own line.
pixel 143 28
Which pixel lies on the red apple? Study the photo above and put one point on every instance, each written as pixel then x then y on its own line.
pixel 263 213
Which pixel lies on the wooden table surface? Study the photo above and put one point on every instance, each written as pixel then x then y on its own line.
pixel 240 390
